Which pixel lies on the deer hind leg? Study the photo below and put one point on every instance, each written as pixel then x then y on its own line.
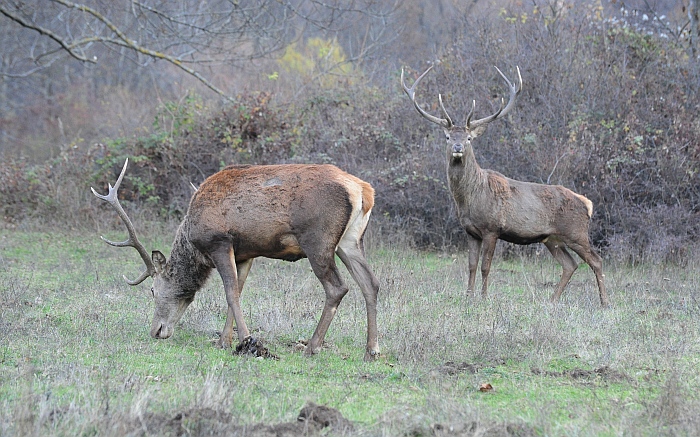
pixel 326 271
pixel 225 263
pixel 352 256
pixel 489 245
pixel 568 264
pixel 596 262
pixel 474 250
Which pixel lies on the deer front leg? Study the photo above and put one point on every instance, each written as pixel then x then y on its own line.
pixel 473 250
pixel 489 243
pixel 226 339
pixel 224 260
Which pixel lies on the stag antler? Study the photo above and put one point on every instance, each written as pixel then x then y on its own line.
pixel 132 241
pixel 447 121
pixel 502 111
pixel 444 122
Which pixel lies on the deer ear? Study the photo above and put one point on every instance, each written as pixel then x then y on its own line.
pixel 477 131
pixel 158 260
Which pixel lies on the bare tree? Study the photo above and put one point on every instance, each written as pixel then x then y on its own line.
pixel 188 34
pixel 694 17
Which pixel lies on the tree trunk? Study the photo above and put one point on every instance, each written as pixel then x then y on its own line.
pixel 694 17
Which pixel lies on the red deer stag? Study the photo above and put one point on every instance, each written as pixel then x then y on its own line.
pixel 285 212
pixel 491 206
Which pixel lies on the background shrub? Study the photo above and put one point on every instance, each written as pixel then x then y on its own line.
pixel 608 109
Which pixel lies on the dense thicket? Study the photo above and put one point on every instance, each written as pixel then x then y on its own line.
pixel 607 109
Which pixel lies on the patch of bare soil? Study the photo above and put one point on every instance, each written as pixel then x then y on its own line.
pixel 605 373
pixel 473 429
pixel 451 368
pixel 254 347
pixel 312 420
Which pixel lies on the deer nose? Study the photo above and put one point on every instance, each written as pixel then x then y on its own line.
pixel 457 148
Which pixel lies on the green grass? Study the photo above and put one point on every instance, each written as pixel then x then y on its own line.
pixel 76 357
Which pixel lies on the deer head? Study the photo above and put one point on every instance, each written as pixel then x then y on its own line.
pixel 459 137
pixel 171 296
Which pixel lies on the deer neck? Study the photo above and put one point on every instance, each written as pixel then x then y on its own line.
pixel 463 173
pixel 187 266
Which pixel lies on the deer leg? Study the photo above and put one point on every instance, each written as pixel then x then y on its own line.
pixel 489 245
pixel 596 262
pixel 326 271
pixel 242 270
pixel 353 258
pixel 225 263
pixel 568 264
pixel 474 250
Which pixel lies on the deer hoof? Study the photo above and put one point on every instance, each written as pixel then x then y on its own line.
pixel 224 341
pixel 372 355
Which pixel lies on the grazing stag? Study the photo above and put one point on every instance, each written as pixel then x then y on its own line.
pixel 491 206
pixel 285 212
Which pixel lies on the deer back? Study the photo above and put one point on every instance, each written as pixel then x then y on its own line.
pixel 267 210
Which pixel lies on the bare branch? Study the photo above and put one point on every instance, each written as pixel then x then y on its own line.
pixel 46 32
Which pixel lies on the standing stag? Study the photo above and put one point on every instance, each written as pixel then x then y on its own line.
pixel 285 212
pixel 491 206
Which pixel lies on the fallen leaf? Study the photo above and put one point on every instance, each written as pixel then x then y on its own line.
pixel 485 387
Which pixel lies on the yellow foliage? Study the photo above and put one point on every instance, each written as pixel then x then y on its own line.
pixel 317 59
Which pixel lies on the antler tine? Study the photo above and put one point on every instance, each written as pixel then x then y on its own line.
pixel 112 198
pixel 444 112
pixel 411 92
pixel 471 112
pixel 514 90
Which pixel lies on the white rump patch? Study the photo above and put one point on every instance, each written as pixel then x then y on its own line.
pixel 588 203
pixel 358 221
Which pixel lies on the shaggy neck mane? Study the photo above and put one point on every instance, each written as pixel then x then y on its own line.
pixel 187 266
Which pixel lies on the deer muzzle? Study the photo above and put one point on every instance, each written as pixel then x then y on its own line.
pixel 457 150
pixel 161 330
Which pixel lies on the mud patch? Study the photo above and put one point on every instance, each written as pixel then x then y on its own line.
pixel 605 373
pixel 253 347
pixel 312 420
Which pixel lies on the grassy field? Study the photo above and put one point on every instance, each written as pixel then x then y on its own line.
pixel 76 357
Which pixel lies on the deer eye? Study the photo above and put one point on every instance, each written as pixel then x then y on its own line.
pixel 153 293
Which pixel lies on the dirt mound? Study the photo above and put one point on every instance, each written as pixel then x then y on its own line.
pixel 312 420
pixel 473 429
pixel 605 373
pixel 253 347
